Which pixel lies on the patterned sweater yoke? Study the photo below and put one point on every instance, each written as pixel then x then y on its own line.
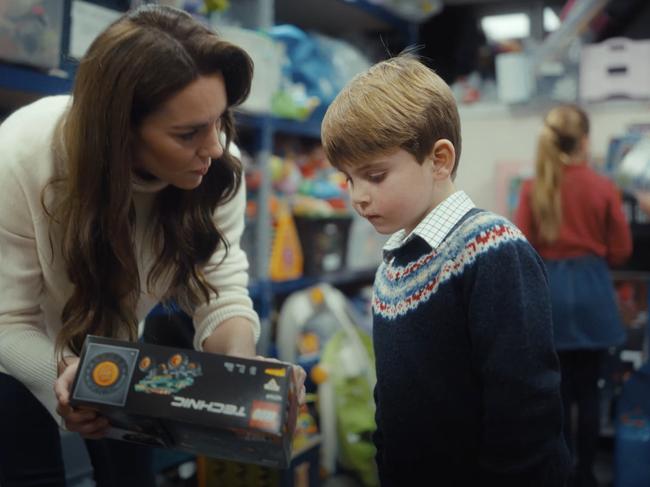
pixel 403 283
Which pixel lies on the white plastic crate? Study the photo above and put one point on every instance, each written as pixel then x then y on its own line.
pixel 267 57
pixel 617 67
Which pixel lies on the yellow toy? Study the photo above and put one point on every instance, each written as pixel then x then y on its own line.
pixel 286 254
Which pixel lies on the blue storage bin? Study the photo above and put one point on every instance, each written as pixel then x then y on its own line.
pixel 632 442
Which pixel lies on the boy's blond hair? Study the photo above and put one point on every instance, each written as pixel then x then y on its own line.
pixel 397 103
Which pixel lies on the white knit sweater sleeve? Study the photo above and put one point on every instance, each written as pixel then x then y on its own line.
pixel 228 275
pixel 26 350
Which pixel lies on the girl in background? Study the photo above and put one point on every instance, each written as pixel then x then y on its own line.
pixel 573 217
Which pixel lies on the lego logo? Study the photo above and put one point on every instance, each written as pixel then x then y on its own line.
pixel 265 416
pixel 145 363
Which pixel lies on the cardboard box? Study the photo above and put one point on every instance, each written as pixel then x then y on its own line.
pixel 215 405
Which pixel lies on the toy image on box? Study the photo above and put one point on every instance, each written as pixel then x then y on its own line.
pixel 215 405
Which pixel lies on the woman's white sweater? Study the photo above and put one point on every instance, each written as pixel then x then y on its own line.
pixel 34 286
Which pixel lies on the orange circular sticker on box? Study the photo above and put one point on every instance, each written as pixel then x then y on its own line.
pixel 106 373
pixel 176 360
pixel 145 363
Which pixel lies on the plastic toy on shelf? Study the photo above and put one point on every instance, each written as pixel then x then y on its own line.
pixel 319 329
pixel 286 253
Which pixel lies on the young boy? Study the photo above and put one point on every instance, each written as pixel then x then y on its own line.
pixel 468 384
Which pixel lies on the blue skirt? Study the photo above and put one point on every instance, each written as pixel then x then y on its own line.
pixel 585 313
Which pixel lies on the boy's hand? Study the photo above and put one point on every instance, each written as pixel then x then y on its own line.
pixel 86 422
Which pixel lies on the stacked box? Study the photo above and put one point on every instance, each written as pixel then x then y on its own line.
pixel 215 405
pixel 615 68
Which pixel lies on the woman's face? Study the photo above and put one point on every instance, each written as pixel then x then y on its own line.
pixel 177 142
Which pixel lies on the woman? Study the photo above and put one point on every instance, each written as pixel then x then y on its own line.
pixel 573 217
pixel 121 196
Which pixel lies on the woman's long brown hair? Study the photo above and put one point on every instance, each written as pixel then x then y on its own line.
pixel 133 67
pixel 564 128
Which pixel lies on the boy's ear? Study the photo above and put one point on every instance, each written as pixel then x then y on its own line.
pixel 443 157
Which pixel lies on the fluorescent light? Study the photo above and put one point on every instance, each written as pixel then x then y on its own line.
pixel 551 20
pixel 507 26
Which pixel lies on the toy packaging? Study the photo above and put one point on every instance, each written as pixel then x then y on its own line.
pixel 215 405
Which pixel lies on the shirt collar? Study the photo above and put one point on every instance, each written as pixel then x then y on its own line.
pixel 436 225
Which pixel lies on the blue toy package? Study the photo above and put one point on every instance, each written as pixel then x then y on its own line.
pixel 319 65
pixel 305 63
pixel 632 442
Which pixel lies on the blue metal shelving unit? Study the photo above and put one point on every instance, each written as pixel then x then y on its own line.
pixel 306 128
pixel 31 80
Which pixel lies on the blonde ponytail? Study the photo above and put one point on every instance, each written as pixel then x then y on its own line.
pixel 564 128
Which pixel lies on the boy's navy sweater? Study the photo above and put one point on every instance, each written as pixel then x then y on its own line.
pixel 468 383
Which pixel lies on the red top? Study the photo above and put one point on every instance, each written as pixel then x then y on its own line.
pixel 593 221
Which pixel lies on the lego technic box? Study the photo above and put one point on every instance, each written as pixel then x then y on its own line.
pixel 215 405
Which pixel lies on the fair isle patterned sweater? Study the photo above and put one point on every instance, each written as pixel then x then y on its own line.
pixel 468 389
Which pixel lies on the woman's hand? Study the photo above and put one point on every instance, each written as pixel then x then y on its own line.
pixel 86 422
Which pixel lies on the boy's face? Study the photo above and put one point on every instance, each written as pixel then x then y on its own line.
pixel 393 192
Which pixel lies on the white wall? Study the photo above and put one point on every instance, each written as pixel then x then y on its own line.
pixel 497 133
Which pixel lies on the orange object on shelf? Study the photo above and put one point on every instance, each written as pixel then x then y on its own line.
pixel 286 253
